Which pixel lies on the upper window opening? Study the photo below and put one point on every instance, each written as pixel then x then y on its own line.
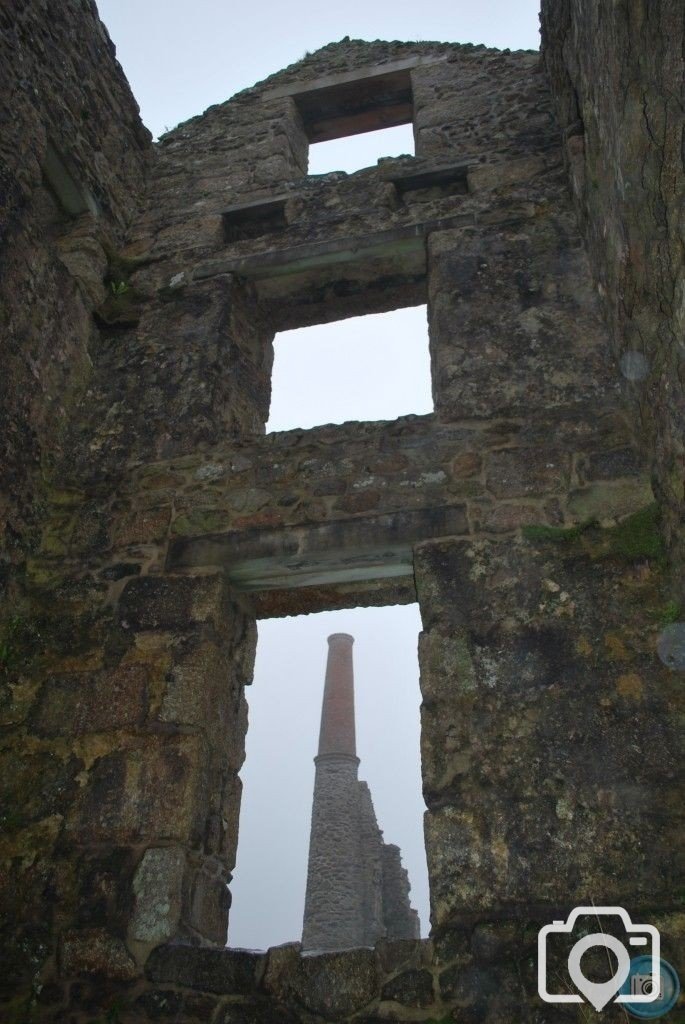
pixel 361 151
pixel 376 109
pixel 365 368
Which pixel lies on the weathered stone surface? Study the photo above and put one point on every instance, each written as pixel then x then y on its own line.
pixel 151 792
pixel 224 971
pixel 83 703
pixel 485 993
pixel 157 887
pixel 209 902
pixel 172 1005
pixel 25 802
pixel 623 152
pixel 412 988
pixel 516 474
pixel 510 706
pixel 189 697
pixel 612 464
pixel 104 888
pixel 145 526
pixel 403 953
pixel 506 517
pixel 256 1013
pixel 53 263
pixel 607 501
pixel 95 951
pixel 171 602
pixel 491 943
pixel 333 985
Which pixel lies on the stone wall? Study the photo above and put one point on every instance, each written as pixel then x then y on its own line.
pixel 400 919
pixel 518 514
pixel 617 77
pixel 336 875
pixel 372 846
pixel 286 510
pixel 73 162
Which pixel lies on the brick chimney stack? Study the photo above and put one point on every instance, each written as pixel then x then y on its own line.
pixel 337 734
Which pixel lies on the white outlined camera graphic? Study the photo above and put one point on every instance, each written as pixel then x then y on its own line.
pixel 599 994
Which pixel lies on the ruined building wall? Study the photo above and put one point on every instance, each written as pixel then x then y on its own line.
pixel 617 75
pixel 529 534
pixel 399 917
pixel 73 162
pixel 371 842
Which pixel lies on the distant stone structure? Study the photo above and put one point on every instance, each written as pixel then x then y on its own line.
pixel 357 889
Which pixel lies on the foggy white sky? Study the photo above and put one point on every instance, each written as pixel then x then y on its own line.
pixel 365 368
pixel 180 58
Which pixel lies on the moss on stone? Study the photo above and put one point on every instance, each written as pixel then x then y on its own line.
pixel 639 536
pixel 63 497
pixel 670 612
pixel 55 539
pixel 635 537
pixel 556 534
pixel 198 522
pixel 41 573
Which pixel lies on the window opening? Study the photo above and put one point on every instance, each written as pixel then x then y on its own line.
pixel 373 367
pixel 359 151
pixel 285 701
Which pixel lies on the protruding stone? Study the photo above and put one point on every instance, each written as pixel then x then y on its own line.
pixel 157 885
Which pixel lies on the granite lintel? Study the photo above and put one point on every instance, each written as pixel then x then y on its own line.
pixel 356 549
pixel 299 258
